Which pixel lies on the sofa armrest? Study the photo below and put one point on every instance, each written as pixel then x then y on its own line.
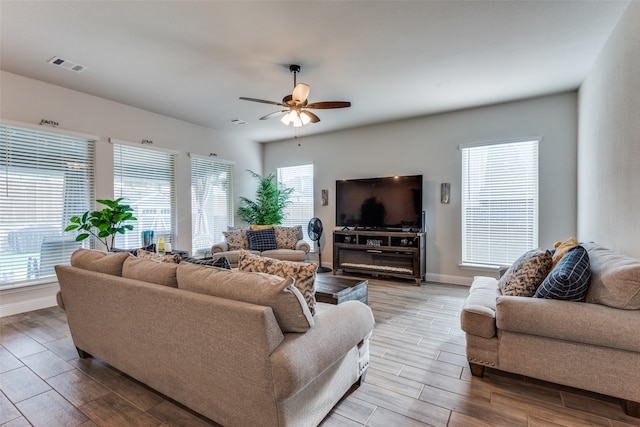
pixel 301 358
pixel 301 245
pixel 59 299
pixel 220 247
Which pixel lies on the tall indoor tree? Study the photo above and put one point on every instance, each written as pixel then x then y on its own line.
pixel 268 206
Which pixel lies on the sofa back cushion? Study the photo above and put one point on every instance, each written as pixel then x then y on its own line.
pixel 287 303
pixel 615 278
pixel 526 273
pixel 236 238
pixel 303 273
pixel 147 270
pixel 261 240
pixel 101 262
pixel 287 237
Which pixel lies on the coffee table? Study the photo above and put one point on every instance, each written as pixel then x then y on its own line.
pixel 334 290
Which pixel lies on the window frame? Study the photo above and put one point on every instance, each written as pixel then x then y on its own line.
pixel 516 171
pixel 135 234
pixel 307 195
pixel 195 210
pixel 41 148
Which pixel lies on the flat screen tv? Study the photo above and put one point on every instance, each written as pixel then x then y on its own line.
pixel 391 203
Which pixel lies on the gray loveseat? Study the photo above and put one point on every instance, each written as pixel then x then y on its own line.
pixel 288 245
pixel 239 348
pixel 592 345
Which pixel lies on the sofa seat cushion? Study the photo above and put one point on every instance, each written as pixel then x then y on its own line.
pixel 147 270
pixel 288 304
pixel 615 278
pixel 526 273
pixel 478 315
pixel 570 321
pixel 101 262
pixel 304 274
pixel 285 255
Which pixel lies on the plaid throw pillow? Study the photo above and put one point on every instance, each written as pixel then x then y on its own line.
pixel 569 279
pixel 262 240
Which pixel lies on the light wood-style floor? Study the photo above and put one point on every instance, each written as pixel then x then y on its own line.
pixel 418 377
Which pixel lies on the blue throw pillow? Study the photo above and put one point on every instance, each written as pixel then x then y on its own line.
pixel 569 279
pixel 262 240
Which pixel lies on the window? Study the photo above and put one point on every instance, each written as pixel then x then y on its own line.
pixel 211 201
pixel 499 202
pixel 45 178
pixel 300 210
pixel 145 178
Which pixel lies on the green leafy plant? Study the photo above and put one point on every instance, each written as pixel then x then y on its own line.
pixel 103 224
pixel 268 208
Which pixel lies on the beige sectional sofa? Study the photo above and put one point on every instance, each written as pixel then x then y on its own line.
pixel 592 345
pixel 288 245
pixel 240 348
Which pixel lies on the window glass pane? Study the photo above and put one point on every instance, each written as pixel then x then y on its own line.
pixel 211 202
pixel 45 178
pixel 145 178
pixel 499 202
pixel 300 210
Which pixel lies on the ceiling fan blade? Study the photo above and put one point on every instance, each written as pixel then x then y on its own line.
pixel 274 114
pixel 300 92
pixel 329 104
pixel 313 118
pixel 263 101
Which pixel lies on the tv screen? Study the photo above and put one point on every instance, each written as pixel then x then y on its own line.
pixel 384 203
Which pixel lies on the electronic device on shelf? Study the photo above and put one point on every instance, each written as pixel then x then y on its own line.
pixel 386 203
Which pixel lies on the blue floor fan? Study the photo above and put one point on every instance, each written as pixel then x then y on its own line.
pixel 315 232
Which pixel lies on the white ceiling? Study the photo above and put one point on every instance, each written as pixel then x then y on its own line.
pixel 392 59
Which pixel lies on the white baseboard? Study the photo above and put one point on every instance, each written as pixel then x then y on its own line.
pixel 449 279
pixel 29 305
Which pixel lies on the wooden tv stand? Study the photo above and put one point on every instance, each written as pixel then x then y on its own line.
pixel 384 253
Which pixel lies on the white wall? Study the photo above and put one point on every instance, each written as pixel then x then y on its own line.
pixel 429 146
pixel 30 101
pixel 609 142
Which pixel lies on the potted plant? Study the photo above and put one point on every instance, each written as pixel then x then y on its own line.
pixel 270 202
pixel 103 224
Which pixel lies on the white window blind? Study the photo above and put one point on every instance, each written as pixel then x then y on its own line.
pixel 45 179
pixel 211 201
pixel 300 210
pixel 145 178
pixel 499 202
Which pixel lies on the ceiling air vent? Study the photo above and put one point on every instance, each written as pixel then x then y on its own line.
pixel 67 65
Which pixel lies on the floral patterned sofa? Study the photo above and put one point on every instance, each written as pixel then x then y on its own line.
pixel 279 242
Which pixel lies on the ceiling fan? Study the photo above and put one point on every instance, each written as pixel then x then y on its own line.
pixel 296 104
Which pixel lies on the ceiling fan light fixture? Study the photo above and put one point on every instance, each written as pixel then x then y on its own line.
pixel 286 119
pixel 304 117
